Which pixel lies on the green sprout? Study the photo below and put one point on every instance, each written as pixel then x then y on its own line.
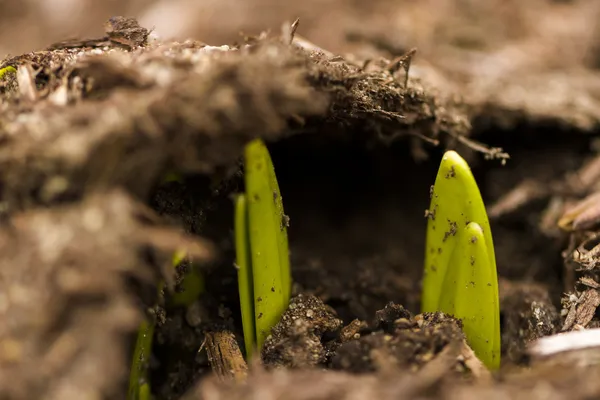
pixel 262 252
pixel 460 265
pixel 138 378
pixel 139 384
pixel 172 176
pixel 6 70
pixel 192 283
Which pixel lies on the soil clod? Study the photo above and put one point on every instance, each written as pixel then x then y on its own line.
pixel 296 341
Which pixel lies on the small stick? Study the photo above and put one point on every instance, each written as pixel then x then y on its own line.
pixel 490 153
pixel 289 31
pixel 225 356
pixel 294 27
pixel 402 62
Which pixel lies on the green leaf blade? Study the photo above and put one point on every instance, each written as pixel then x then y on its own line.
pixel 144 393
pixel 282 235
pixel 468 294
pixel 268 241
pixel 141 357
pixel 244 264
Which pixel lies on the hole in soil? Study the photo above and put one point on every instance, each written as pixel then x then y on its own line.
pixel 357 225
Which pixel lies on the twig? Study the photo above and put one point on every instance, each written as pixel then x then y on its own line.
pixel 402 62
pixel 490 153
pixel 289 31
pixel 225 356
pixel 294 27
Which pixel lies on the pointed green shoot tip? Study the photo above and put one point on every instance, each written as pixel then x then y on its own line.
pixel 6 70
pixel 455 202
pixel 178 257
pixel 193 287
pixel 172 176
pixel 262 252
pixel 468 294
pixel 193 283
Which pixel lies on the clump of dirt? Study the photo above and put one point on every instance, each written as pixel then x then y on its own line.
pixel 389 317
pixel 411 344
pixel 528 313
pixel 113 135
pixel 428 349
pixel 309 335
pixel 69 307
pixel 296 341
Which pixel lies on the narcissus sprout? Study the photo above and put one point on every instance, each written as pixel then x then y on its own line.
pixel 460 264
pixel 262 253
pixel 6 70
pixel 139 384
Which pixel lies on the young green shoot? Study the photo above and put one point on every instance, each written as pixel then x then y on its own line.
pixel 460 264
pixel 244 264
pixel 6 70
pixel 138 377
pixel 262 252
pixel 139 384
pixel 192 283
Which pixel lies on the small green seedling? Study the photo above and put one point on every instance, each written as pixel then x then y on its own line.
pixel 460 264
pixel 6 70
pixel 138 377
pixel 192 284
pixel 139 384
pixel 262 253
pixel 172 176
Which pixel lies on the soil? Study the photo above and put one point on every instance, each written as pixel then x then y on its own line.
pixel 118 149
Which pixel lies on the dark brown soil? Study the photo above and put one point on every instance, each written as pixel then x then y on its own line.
pixel 92 127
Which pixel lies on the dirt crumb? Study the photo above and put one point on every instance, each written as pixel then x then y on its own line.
pixel 352 330
pixel 126 31
pixel 392 315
